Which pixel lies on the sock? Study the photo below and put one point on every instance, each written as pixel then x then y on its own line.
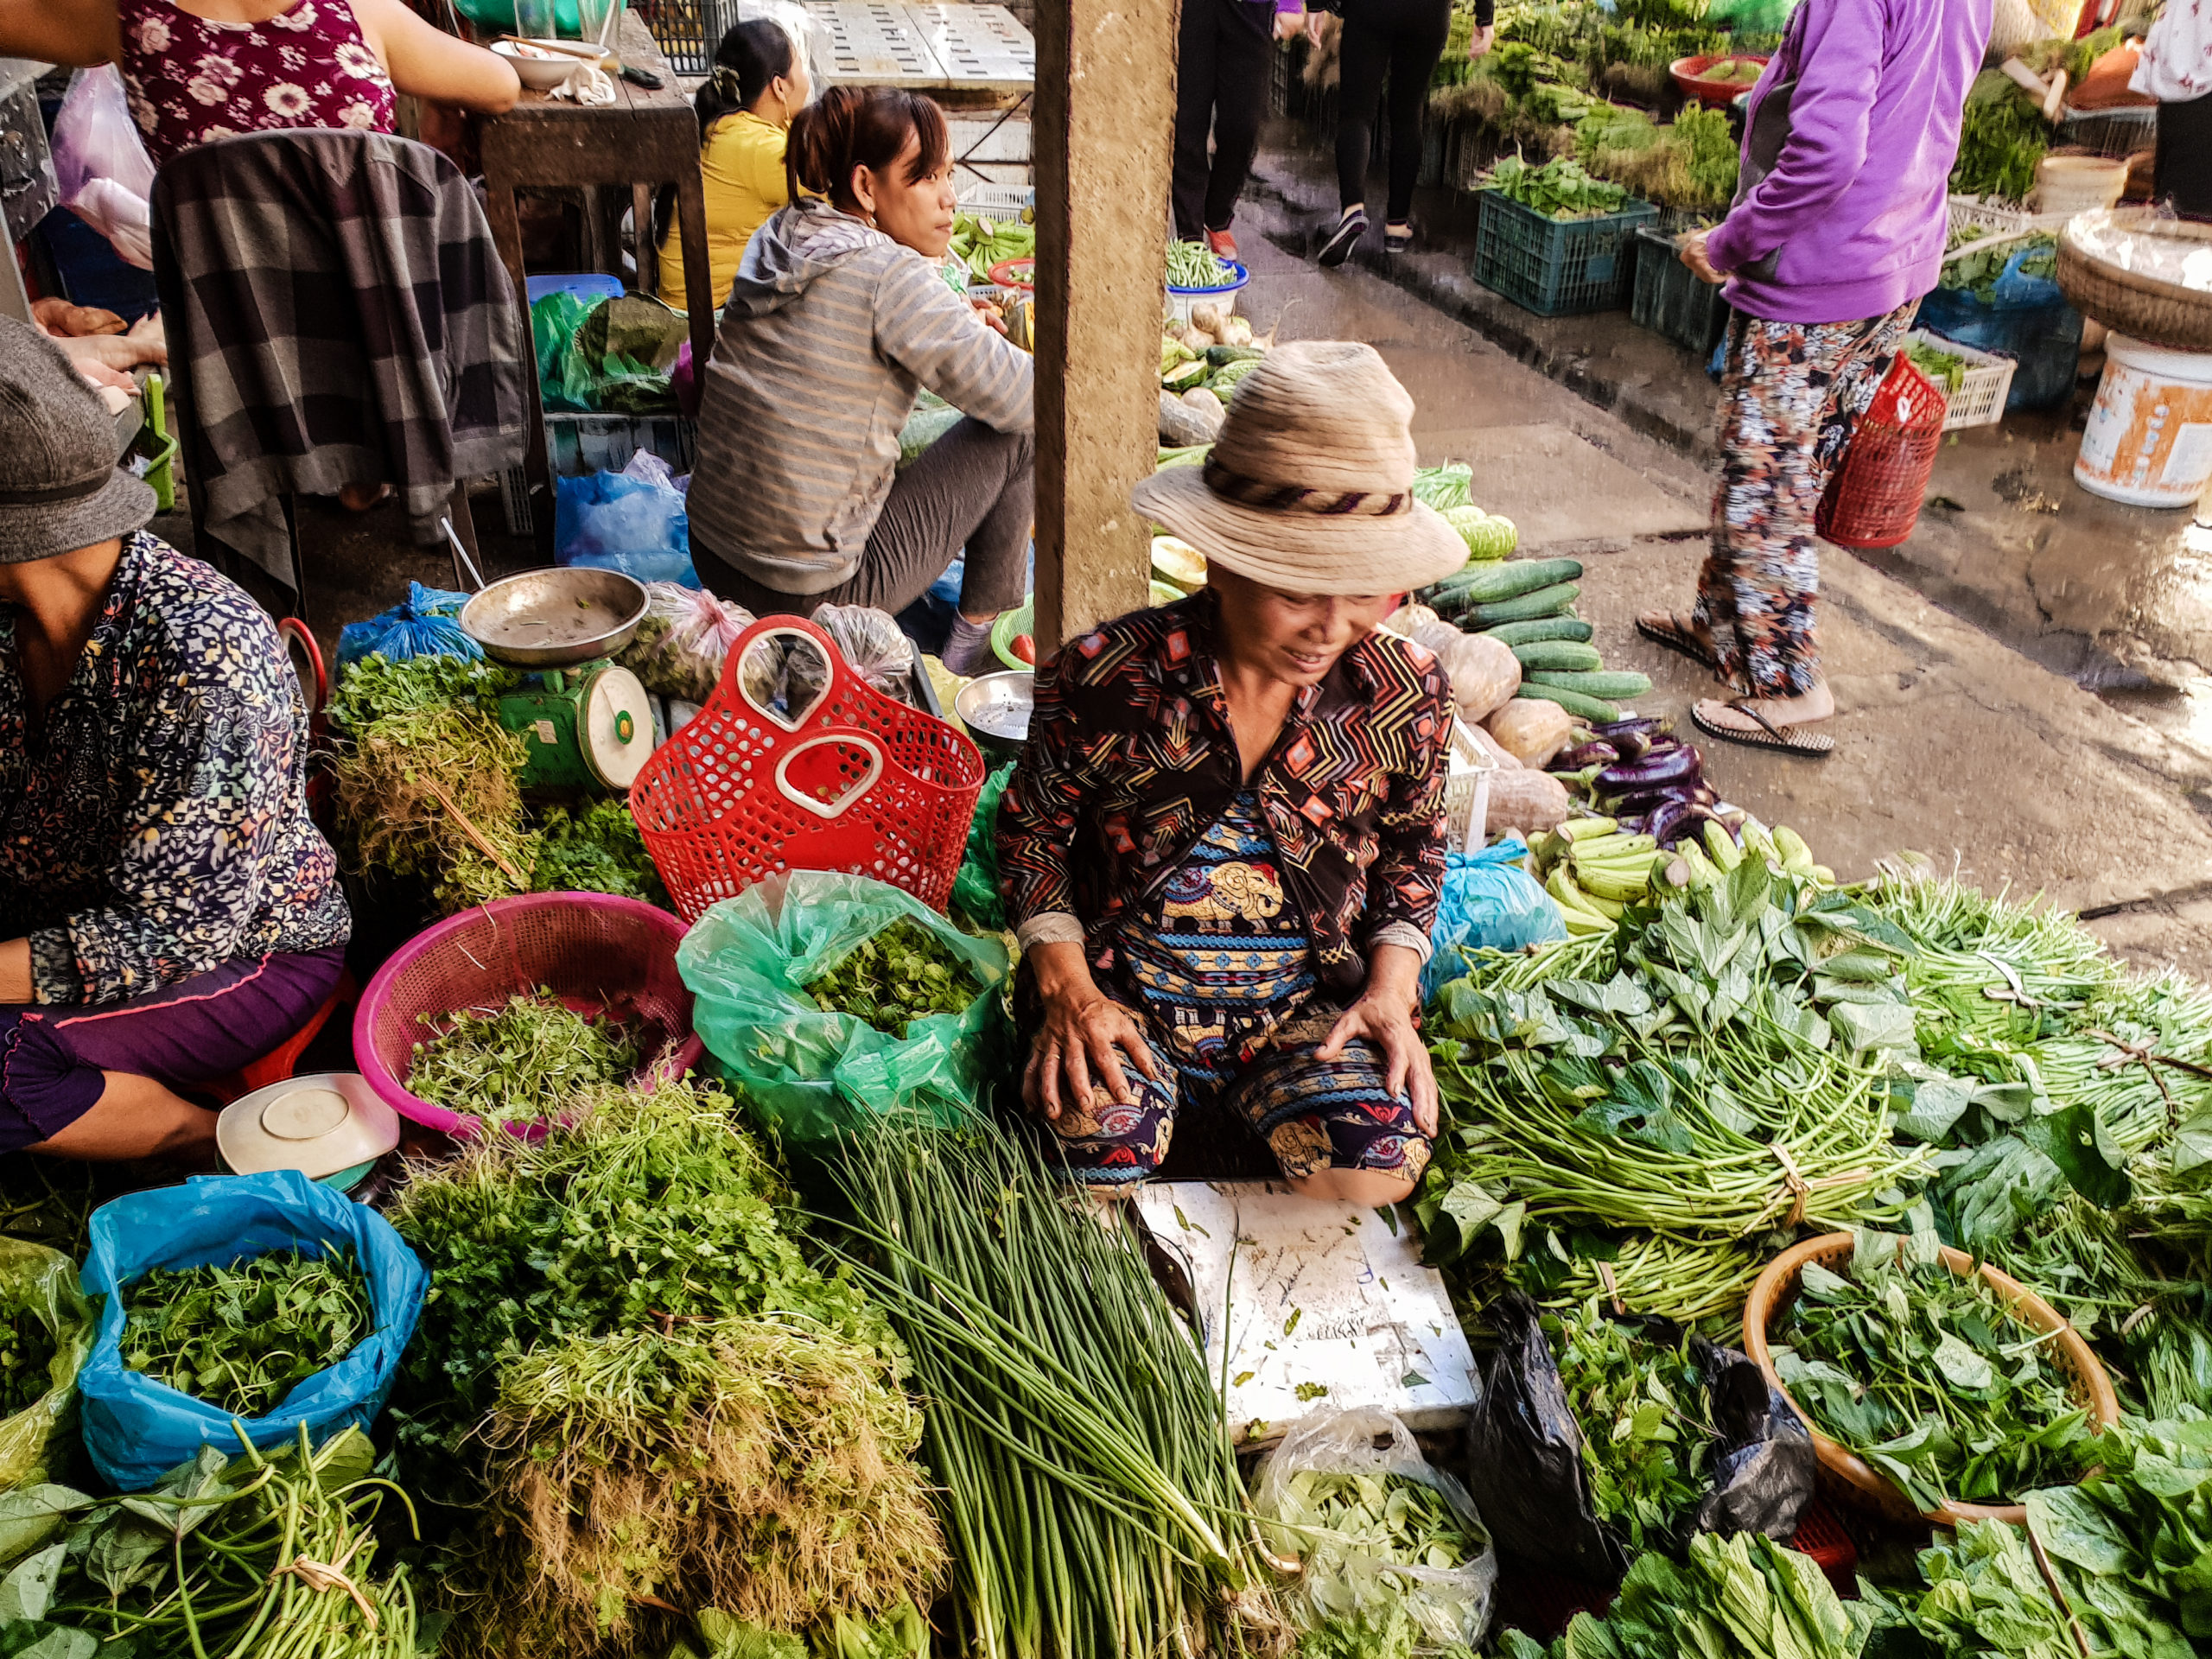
pixel 968 648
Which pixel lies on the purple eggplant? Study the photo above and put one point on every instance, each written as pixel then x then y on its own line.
pixel 1648 726
pixel 1679 765
pixel 1677 820
pixel 1651 800
pixel 1595 753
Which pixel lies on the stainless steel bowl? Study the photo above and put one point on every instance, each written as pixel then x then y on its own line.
pixel 996 710
pixel 555 618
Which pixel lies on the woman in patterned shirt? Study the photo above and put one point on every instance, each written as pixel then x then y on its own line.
pixel 168 913
pixel 1222 846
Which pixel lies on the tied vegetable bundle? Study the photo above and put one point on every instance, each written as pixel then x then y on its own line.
pixel 520 1063
pixel 1926 1373
pixel 1085 1479
pixel 241 1338
pixel 900 975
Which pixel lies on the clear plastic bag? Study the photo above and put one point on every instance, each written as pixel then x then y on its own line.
pixel 44 1281
pixel 1449 1606
pixel 873 646
pixel 101 171
pixel 683 641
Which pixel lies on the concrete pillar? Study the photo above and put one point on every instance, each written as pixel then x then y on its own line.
pixel 1103 136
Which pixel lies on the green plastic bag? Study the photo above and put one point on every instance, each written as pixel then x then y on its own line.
pixel 606 355
pixel 45 1282
pixel 1751 16
pixel 813 1076
pixel 976 888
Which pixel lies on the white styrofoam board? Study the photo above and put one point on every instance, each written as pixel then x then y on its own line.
pixel 988 139
pixel 979 45
pixel 872 43
pixel 1301 1292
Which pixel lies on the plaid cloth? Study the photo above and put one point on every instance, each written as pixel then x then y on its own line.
pixel 336 315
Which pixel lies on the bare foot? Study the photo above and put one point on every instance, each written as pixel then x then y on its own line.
pixel 360 498
pixel 1807 706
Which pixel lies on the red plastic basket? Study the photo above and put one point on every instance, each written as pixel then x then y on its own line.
pixel 595 950
pixel 1821 1536
pixel 856 781
pixel 1873 500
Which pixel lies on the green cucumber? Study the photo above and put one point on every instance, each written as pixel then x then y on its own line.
pixel 1491 582
pixel 1517 634
pixel 1559 656
pixel 1610 683
pixel 1543 601
pixel 1596 710
pixel 1222 356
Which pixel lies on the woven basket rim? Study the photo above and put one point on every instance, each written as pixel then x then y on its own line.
pixel 2144 307
pixel 1779 1278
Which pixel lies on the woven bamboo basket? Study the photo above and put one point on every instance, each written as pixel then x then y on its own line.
pixel 2133 303
pixel 1850 1476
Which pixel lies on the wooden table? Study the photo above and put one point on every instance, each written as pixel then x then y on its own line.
pixel 642 140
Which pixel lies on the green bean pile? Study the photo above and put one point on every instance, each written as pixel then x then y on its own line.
pixel 1192 264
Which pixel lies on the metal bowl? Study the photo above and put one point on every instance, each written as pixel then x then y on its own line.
pixel 555 618
pixel 996 710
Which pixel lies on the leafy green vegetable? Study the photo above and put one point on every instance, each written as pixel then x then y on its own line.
pixel 1647 1428
pixel 524 1063
pixel 26 1352
pixel 1978 273
pixel 2002 137
pixel 2133 1542
pixel 242 1337
pixel 1947 369
pixel 596 848
pixel 902 974
pixel 1558 189
pixel 375 688
pixel 1925 1374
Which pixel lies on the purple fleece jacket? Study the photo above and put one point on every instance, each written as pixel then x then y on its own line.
pixel 1850 222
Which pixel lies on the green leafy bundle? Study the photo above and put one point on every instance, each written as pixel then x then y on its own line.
pixel 1390 1517
pixel 2002 137
pixel 1647 1428
pixel 26 1352
pixel 1925 1374
pixel 1743 1597
pixel 902 974
pixel 2133 1542
pixel 1977 273
pixel 375 688
pixel 524 1063
pixel 595 848
pixel 1947 369
pixel 242 1337
pixel 1558 189
pixel 1985 1596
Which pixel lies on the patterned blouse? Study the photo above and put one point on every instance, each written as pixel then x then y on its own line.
pixel 157 825
pixel 191 79
pixel 1130 759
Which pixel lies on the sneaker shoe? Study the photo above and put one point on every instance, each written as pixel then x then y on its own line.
pixel 1223 244
pixel 1395 240
pixel 1349 228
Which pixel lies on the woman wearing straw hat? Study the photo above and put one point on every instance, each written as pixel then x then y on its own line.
pixel 1222 846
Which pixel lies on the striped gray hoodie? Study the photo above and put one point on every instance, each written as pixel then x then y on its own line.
pixel 829 330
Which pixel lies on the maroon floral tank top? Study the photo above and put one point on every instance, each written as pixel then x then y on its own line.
pixel 192 80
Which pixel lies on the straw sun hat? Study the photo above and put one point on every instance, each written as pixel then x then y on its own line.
pixel 1310 485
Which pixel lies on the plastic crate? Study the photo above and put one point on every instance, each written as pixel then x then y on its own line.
pixel 1821 1536
pixel 1555 267
pixel 2115 133
pixel 997 201
pixel 1979 400
pixel 1998 218
pixel 1671 301
pixel 576 444
pixel 688 31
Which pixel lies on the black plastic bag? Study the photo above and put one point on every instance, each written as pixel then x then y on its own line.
pixel 1524 1453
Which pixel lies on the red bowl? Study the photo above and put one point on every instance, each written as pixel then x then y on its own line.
pixel 1015 273
pixel 1690 75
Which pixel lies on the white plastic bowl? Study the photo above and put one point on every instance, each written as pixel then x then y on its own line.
pixel 539 74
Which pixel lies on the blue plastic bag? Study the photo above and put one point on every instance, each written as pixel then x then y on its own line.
pixel 422 625
pixel 137 1429
pixel 1490 902
pixel 613 522
pixel 2026 319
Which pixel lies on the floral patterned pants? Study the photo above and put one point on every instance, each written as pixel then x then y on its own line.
pixel 1790 393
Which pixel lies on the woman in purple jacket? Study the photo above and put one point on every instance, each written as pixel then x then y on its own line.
pixel 1836 231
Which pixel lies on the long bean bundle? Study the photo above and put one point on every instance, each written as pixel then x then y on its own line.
pixel 1087 1484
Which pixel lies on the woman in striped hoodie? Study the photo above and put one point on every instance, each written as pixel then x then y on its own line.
pixel 837 320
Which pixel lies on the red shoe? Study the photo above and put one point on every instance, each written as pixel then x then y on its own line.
pixel 1223 244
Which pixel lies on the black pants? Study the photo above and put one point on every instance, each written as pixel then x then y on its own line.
pixel 2184 159
pixel 1402 39
pixel 1224 54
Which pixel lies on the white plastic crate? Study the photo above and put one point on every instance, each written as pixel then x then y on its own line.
pixel 1466 790
pixel 1998 218
pixel 999 201
pixel 1979 400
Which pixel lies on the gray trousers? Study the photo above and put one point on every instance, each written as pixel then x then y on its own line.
pixel 974 488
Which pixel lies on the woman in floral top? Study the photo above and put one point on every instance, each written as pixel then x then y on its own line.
pixel 1222 850
pixel 199 70
pixel 167 911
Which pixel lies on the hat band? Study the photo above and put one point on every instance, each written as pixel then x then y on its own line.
pixel 76 492
pixel 1296 498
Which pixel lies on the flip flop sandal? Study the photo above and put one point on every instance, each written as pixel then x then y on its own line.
pixel 1785 740
pixel 1676 638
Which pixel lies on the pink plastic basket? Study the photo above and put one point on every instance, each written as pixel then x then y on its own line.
pixel 595 950
pixel 855 781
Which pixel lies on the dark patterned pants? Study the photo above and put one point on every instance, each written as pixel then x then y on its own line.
pixel 1790 393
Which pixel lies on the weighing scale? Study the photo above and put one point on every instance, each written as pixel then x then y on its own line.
pixel 588 722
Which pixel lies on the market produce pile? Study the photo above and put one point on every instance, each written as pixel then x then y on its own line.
pixel 897 975
pixel 240 1337
pixel 523 1063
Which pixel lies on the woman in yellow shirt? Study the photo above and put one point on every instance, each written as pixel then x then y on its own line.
pixel 744 109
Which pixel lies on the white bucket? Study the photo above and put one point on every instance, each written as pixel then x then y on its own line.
pixel 2148 439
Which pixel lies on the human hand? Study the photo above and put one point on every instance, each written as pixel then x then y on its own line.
pixel 107 360
pixel 1317 25
pixel 1384 1015
pixel 1288 24
pixel 991 317
pixel 1692 253
pixel 1479 42
pixel 1081 1049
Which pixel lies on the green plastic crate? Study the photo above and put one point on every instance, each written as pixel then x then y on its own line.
pixel 1669 300
pixel 1555 267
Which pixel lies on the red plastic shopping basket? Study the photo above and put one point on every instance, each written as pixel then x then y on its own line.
pixel 853 781
pixel 1873 499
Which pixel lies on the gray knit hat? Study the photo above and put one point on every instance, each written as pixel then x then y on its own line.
pixel 59 487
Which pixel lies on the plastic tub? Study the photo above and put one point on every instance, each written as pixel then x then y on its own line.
pixel 2149 440
pixel 1180 300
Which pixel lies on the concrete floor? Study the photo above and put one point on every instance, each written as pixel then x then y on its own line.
pixel 1954 742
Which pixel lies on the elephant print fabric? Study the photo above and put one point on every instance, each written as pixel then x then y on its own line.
pixel 1219 971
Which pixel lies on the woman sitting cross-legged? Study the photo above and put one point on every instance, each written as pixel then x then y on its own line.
pixel 1223 846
